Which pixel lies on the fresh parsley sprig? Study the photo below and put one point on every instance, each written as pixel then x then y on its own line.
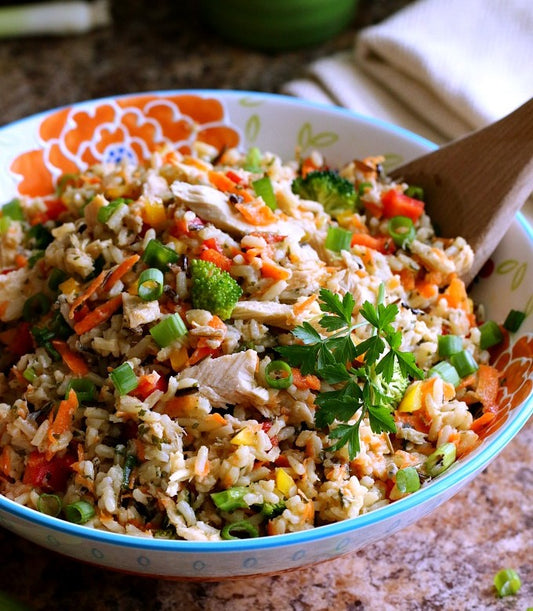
pixel 366 390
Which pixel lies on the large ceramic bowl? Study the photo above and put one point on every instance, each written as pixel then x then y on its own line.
pixel 35 151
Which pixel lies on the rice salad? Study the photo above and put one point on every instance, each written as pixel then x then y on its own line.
pixel 226 345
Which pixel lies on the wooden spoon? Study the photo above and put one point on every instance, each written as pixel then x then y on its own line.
pixel 476 184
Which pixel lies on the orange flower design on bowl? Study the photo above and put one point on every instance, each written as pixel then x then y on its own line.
pixel 516 366
pixel 131 128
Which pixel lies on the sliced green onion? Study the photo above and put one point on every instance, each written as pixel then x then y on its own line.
pixel 263 188
pixel 168 330
pixel 464 363
pixel 84 388
pixel 40 236
pixel 363 186
pixel 5 222
pixel 415 192
pixel 50 504
pixel 440 460
pixel 129 464
pixel 150 286
pixel 513 321
pixel 402 230
pixel 158 255
pixel 13 210
pixel 57 277
pixel 79 512
pixel 446 371
pixel 36 306
pixel 106 212
pixel 271 510
pixel 29 374
pixel 39 254
pixel 252 161
pixel 230 499
pixel 338 239
pixel 246 529
pixel 507 582
pixel 278 374
pixel 449 344
pixel 124 379
pixel 165 533
pixel 491 334
pixel 407 480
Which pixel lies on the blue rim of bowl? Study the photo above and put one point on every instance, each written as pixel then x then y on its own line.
pixel 435 489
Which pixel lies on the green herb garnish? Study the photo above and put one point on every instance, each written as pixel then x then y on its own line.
pixel 371 389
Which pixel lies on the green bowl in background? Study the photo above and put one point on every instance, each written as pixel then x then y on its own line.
pixel 278 25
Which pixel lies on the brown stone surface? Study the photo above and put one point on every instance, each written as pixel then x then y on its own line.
pixel 444 562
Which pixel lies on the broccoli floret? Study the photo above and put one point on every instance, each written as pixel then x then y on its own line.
pixel 335 193
pixel 213 289
pixel 395 389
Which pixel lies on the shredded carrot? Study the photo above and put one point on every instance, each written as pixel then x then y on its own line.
pixel 199 353
pixel 98 315
pixel 427 289
pixel 301 307
pixel 63 419
pixel 482 421
pixel 382 244
pixel 72 360
pixel 225 184
pixel 90 290
pixel 269 269
pixel 487 387
pixel 21 261
pixel 3 307
pixel 308 165
pixel 302 382
pixel 122 269
pixel 139 449
pixel 256 212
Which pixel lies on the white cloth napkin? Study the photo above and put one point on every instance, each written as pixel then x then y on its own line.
pixel 440 68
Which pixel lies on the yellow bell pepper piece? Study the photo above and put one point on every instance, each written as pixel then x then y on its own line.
pixel 178 358
pixel 284 482
pixel 69 286
pixel 412 399
pixel 244 437
pixel 154 213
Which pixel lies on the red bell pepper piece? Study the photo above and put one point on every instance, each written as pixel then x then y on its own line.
pixel 51 475
pixel 399 204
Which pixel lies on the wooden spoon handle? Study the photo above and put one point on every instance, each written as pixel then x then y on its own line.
pixel 475 184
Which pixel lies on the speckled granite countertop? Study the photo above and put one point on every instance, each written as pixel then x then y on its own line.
pixel 444 562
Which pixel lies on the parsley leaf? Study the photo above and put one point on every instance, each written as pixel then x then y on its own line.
pixel 370 390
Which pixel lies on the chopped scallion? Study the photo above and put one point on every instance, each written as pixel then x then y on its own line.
pixel 338 239
pixel 252 161
pixel 446 371
pixel 402 230
pixel 158 255
pixel 230 499
pixel 106 212
pixel 29 374
pixel 278 374
pixel 513 320
pixel 244 528
pixel 39 254
pixel 79 512
pixel 464 363
pixel 150 285
pixel 129 464
pixel 57 276
pixel 168 330
pixel 35 306
pixel 507 582
pixel 124 378
pixel 415 192
pixel 84 388
pixel 263 188
pixel 13 210
pixel 442 458
pixel 50 504
pixel 40 236
pixel 449 344
pixel 407 480
pixel 5 222
pixel 491 334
